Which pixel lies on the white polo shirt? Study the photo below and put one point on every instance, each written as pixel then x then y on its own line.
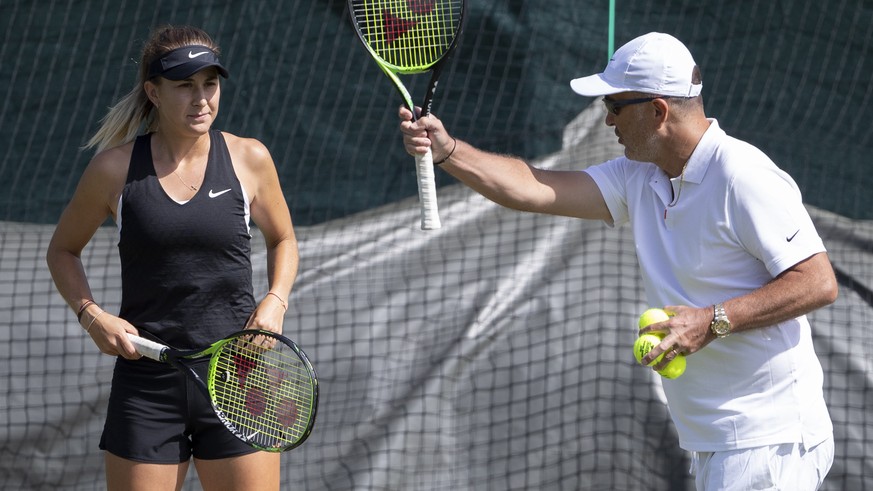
pixel 738 222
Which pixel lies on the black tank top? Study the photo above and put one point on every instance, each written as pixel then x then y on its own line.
pixel 186 272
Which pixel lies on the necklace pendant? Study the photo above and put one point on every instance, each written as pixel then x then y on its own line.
pixel 189 186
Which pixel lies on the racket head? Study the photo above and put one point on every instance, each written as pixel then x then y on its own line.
pixel 264 389
pixel 407 36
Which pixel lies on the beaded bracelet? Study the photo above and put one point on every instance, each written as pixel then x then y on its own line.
pixel 454 146
pixel 280 300
pixel 82 309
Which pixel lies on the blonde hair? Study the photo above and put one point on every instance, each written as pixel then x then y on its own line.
pixel 123 121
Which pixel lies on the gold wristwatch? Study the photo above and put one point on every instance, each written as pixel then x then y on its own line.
pixel 720 325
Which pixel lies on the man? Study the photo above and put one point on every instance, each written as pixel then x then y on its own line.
pixel 724 244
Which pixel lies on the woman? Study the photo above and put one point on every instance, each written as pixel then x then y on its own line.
pixel 181 196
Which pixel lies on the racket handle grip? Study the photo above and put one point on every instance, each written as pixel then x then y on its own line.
pixel 430 215
pixel 147 347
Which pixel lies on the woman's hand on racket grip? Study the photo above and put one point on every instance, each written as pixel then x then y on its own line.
pixel 424 133
pixel 269 315
pixel 110 335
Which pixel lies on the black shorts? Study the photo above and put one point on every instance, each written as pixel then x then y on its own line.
pixel 157 415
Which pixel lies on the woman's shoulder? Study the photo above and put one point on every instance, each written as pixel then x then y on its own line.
pixel 247 151
pixel 112 162
pixel 243 143
pixel 104 177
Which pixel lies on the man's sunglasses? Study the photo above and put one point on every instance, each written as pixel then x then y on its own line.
pixel 613 106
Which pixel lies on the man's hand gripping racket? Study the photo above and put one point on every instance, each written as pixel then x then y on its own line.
pixel 408 37
pixel 261 385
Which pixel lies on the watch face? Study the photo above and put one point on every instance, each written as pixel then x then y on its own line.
pixel 721 328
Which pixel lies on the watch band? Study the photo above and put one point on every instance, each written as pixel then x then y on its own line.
pixel 718 312
pixel 720 325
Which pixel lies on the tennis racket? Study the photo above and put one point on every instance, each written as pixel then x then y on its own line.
pixel 261 385
pixel 408 37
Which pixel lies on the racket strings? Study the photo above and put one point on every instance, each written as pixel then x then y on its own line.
pixel 410 34
pixel 266 394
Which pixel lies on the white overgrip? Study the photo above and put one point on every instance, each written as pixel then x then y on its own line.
pixel 430 217
pixel 147 347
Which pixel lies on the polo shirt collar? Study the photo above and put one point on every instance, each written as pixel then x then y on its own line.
pixel 703 153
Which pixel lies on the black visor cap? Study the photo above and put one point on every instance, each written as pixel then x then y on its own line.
pixel 181 63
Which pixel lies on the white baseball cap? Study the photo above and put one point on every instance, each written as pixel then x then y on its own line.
pixel 654 63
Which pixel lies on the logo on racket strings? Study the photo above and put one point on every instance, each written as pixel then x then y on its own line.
pixel 396 27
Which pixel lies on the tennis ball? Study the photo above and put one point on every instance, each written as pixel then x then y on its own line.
pixel 675 368
pixel 653 316
pixel 646 342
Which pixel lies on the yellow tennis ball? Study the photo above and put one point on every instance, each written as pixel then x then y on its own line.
pixel 675 368
pixel 645 343
pixel 653 316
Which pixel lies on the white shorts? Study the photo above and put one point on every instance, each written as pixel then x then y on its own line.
pixel 776 467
